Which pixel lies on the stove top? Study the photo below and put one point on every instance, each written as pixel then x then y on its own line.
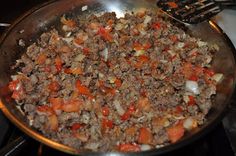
pixel 220 141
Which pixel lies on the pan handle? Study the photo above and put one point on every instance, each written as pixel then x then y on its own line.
pixel 13 148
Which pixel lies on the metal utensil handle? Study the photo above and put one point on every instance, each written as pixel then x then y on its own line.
pixel 227 4
pixel 13 148
pixel 4 24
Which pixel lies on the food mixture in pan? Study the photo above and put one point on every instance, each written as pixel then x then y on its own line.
pixel 116 84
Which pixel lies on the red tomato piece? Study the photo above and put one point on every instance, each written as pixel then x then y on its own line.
pixel 54 86
pixel 105 111
pixel 13 85
pixel 175 132
pixel 193 78
pixel 191 100
pixel 58 63
pixel 76 126
pixel 104 33
pixel 106 123
pixel 56 103
pixel 145 136
pixel 129 148
pixel 156 25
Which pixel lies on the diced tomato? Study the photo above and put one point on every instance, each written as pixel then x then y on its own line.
pixel 193 77
pixel 105 34
pixel 78 41
pixel 83 89
pixel 17 95
pixel 41 58
pixel 76 71
pixel 191 100
pixel 145 136
pixel 198 70
pixel 209 72
pixel 118 83
pixel 175 132
pixel 179 109
pixel 45 109
pixel 128 113
pixel 58 63
pixel 13 85
pixel 54 86
pixel 105 89
pixel 125 116
pixel 131 131
pixel 147 45
pixel 56 103
pixel 76 126
pixel 67 71
pixel 129 148
pixel 187 70
pixel 172 5
pixel 141 60
pixel 105 111
pixel 72 105
pixel 106 123
pixel 137 46
pixel 173 38
pixel 156 25
pixel 86 51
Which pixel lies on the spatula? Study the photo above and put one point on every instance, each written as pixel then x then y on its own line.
pixel 194 11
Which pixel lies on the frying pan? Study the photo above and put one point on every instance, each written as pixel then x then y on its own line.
pixel 46 16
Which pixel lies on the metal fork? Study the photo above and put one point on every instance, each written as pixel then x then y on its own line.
pixel 194 11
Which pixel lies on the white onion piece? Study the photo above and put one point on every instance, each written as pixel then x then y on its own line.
pixel 180 45
pixel 79 57
pixel 218 77
pixel 119 26
pixel 201 43
pixel 84 8
pixel 68 40
pixel 147 20
pixel 118 107
pixel 192 86
pixel 172 53
pixel 105 54
pixel 190 123
pixel 145 147
pixel 186 98
pixel 139 52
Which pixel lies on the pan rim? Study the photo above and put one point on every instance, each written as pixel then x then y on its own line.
pixel 39 137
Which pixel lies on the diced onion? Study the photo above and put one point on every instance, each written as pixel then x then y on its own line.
pixel 119 26
pixel 190 123
pixel 145 147
pixel 68 40
pixel 147 20
pixel 139 52
pixel 218 77
pixel 201 43
pixel 105 54
pixel 84 8
pixel 192 86
pixel 118 107
pixel 180 45
pixel 79 57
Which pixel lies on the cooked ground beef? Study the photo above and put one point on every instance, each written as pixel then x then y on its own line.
pixel 110 84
